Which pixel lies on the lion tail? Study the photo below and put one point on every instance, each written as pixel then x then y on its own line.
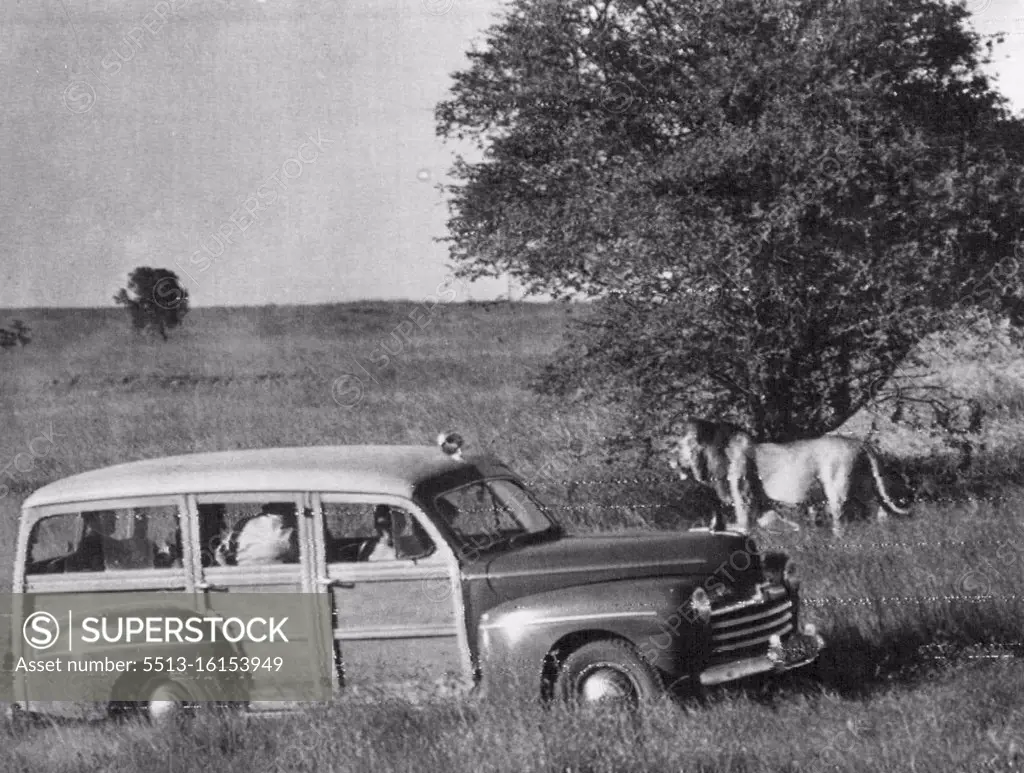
pixel 876 472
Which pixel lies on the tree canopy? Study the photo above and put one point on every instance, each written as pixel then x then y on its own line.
pixel 155 299
pixel 771 201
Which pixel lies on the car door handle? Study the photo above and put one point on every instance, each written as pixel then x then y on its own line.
pixel 327 582
pixel 203 585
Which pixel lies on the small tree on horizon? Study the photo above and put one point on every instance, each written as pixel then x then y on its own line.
pixel 155 299
pixel 21 332
pixel 772 201
pixel 18 335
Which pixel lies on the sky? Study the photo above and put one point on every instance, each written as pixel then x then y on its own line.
pixel 268 151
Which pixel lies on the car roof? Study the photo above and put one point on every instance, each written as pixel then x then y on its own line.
pixel 392 470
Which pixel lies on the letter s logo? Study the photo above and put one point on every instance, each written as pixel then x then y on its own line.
pixel 79 97
pixel 167 293
pixel 41 630
pixel 111 66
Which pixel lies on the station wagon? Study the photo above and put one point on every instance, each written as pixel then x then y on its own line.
pixel 434 570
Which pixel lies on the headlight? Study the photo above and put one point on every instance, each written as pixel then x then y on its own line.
pixel 701 605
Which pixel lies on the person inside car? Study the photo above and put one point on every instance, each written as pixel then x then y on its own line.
pixel 381 547
pixel 213 535
pixel 268 537
pixel 142 551
pixel 96 543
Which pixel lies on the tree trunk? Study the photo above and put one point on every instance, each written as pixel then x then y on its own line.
pixel 842 400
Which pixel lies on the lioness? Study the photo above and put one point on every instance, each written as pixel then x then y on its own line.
pixel 753 476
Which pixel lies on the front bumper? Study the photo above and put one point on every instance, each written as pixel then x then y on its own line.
pixel 795 651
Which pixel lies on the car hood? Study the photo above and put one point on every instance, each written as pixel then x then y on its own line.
pixel 570 561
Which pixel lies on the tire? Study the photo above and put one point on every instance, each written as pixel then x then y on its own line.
pixel 165 702
pixel 608 670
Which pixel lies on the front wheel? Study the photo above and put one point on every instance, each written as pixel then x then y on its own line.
pixel 168 702
pixel 608 671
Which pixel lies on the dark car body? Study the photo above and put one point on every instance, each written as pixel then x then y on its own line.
pixel 499 607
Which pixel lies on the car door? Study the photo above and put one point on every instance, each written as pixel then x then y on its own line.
pixel 398 615
pixel 261 543
pixel 92 559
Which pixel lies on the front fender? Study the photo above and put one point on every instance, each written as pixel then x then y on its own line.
pixel 653 614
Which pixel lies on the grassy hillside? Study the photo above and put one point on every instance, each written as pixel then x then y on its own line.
pixel 923 615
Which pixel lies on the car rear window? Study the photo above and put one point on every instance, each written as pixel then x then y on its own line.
pixel 106 540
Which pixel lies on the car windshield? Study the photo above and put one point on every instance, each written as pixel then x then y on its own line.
pixel 488 514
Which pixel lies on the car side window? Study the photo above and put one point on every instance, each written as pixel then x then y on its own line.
pixel 106 540
pixel 356 532
pixel 257 533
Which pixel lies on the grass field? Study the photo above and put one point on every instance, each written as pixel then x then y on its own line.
pixel 923 616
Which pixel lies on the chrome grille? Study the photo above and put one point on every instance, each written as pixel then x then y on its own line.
pixel 743 629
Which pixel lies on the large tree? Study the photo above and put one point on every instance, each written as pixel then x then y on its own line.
pixel 772 201
pixel 155 299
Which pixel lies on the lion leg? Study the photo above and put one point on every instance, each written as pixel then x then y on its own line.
pixel 741 503
pixel 837 496
pixel 724 492
pixel 718 520
pixel 739 454
pixel 723 488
